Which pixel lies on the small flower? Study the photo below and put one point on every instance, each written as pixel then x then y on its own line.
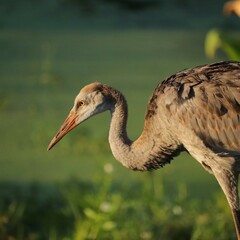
pixel 177 210
pixel 108 168
pixel 105 207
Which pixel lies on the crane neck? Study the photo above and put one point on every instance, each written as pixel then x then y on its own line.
pixel 143 154
pixel 118 138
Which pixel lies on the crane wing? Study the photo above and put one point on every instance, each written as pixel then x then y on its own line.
pixel 206 100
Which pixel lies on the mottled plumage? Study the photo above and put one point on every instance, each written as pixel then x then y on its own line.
pixel 207 100
pixel 196 110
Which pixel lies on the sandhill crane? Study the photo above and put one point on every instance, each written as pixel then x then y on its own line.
pixel 196 110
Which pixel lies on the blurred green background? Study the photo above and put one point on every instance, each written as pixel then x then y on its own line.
pixel 51 49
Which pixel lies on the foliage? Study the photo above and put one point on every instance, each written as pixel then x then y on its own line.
pixel 227 41
pixel 95 210
pixel 42 69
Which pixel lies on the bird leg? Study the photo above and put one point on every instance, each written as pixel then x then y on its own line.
pixel 236 218
pixel 228 181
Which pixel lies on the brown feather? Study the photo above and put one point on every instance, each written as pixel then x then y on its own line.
pixel 197 110
pixel 211 96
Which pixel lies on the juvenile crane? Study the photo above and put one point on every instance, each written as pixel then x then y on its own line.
pixel 195 110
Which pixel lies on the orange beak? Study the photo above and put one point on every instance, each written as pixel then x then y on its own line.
pixel 68 125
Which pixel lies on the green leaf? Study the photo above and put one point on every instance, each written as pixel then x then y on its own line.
pixel 109 225
pixel 229 43
pixel 212 43
pixel 91 213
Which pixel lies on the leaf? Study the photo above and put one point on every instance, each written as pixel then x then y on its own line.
pixel 91 213
pixel 212 43
pixel 228 42
pixel 109 225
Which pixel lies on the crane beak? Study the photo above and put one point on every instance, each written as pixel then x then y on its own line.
pixel 69 124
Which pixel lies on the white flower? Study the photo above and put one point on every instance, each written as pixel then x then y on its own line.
pixel 105 207
pixel 177 210
pixel 108 168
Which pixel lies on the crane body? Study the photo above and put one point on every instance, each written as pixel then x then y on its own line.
pixel 196 110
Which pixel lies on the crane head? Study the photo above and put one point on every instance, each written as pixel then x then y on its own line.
pixel 90 101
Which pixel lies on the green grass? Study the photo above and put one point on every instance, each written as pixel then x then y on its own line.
pixel 101 209
pixel 41 72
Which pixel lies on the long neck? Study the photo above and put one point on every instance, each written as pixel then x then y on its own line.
pixel 145 153
pixel 118 139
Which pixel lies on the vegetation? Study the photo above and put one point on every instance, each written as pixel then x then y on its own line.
pixel 78 191
pixel 225 39
pixel 103 210
pixel 227 42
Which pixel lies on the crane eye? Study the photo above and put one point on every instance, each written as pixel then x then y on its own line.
pixel 80 104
